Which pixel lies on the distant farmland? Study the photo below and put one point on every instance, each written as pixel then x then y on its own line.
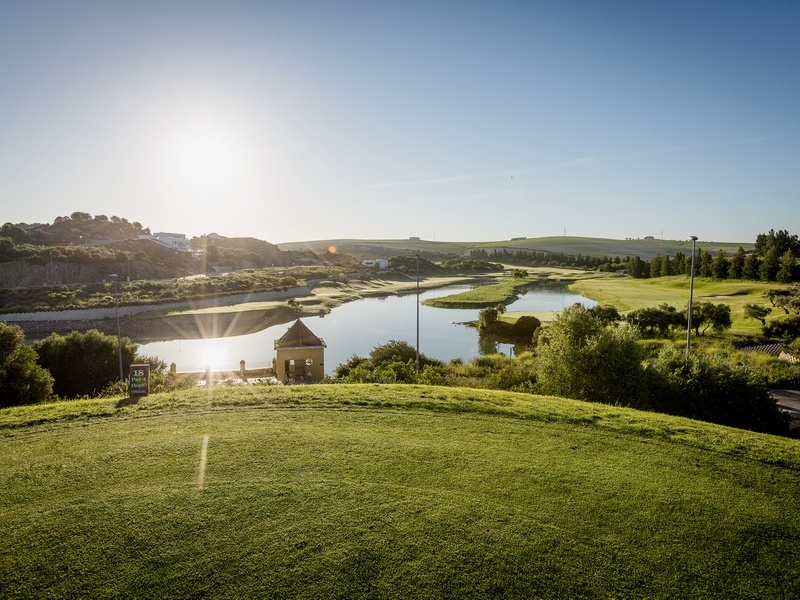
pixel 644 248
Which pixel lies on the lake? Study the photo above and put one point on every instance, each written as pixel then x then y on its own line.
pixel 357 327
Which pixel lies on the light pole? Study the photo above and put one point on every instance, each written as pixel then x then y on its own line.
pixel 693 239
pixel 119 338
pixel 417 363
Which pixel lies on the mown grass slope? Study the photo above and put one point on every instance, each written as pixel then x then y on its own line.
pixel 393 492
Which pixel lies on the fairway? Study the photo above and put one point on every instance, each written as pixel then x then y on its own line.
pixel 390 491
pixel 631 294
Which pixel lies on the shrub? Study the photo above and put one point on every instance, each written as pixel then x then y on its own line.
pixel 83 364
pixel 580 358
pixel 714 389
pixel 22 381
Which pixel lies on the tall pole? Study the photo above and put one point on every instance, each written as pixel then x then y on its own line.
pixel 693 239
pixel 417 363
pixel 119 337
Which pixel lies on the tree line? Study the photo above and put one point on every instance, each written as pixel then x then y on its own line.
pixel 774 259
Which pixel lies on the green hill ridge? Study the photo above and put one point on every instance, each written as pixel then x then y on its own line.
pixel 356 491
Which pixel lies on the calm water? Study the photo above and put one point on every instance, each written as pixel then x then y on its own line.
pixel 357 327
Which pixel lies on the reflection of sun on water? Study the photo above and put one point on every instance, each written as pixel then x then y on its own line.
pixel 213 355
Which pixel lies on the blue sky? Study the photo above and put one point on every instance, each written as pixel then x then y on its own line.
pixel 480 121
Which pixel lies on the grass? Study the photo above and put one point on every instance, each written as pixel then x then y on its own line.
pixel 631 294
pixel 484 295
pixel 506 288
pixel 390 491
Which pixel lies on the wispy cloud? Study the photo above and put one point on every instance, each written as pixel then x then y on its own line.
pixel 570 164
pixel 699 146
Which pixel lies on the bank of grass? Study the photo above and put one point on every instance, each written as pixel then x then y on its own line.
pixel 390 491
pixel 326 295
pixel 506 288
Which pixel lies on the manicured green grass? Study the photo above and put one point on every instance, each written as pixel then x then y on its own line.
pixel 485 295
pixel 631 294
pixel 390 491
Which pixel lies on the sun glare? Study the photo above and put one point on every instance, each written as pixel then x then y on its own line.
pixel 213 355
pixel 204 157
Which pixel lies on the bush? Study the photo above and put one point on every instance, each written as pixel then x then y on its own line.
pixel 524 327
pixel 714 389
pixel 83 364
pixel 578 357
pixel 22 380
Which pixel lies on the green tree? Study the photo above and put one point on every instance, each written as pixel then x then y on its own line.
pixel 720 265
pixel 580 358
pixel 22 380
pixel 667 268
pixel 786 268
pixel 768 269
pixel 655 266
pixel 82 364
pixel 786 328
pixel 737 264
pixel 777 241
pixel 524 328
pixel 758 312
pixel 398 350
pixel 606 314
pixel 751 266
pixel 656 321
pixel 714 389
pixel 708 314
pixel 679 264
pixel 705 269
pixel 487 317
pixel 637 268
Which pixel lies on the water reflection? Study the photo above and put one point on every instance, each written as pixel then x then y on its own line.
pixel 359 326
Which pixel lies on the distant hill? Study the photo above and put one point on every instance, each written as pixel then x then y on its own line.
pixel 644 248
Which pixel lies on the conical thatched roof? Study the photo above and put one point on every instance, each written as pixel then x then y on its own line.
pixel 299 336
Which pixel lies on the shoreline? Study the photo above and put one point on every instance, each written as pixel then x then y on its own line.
pixel 235 319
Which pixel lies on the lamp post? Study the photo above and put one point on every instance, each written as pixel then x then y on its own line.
pixel 119 338
pixel 417 363
pixel 693 239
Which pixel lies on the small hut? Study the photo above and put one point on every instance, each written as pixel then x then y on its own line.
pixel 300 355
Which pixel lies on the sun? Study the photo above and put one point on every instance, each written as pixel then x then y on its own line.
pixel 204 157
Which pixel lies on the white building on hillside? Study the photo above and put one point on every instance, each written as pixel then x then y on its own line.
pixel 176 241
pixel 377 263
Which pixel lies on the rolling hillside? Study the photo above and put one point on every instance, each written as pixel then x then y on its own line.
pixel 390 491
pixel 643 248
